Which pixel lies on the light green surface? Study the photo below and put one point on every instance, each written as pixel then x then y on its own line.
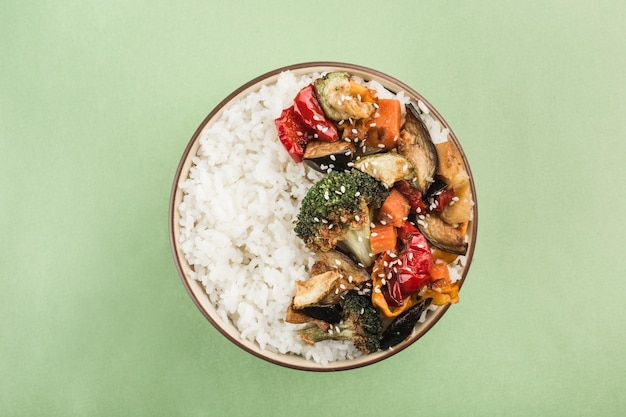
pixel 98 100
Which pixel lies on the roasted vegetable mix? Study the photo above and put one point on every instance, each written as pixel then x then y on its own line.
pixel 387 221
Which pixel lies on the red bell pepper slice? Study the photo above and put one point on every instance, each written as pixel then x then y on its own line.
pixel 292 134
pixel 308 110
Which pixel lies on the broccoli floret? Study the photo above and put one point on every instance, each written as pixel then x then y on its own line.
pixel 336 213
pixel 360 324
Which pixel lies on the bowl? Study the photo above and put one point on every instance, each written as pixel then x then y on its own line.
pixel 201 294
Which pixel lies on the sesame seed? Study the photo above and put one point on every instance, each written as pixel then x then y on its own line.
pixel 333 158
pixel 326 196
pixel 343 189
pixel 355 131
pixel 358 193
pixel 381 145
pixel 374 234
pixel 372 124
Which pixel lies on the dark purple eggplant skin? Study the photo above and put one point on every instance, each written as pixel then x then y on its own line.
pixel 330 313
pixel 400 328
pixel 435 188
pixel 324 156
pixel 416 145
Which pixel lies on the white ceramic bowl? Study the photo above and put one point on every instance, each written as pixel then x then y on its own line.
pixel 197 291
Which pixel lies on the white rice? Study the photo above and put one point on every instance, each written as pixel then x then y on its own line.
pixel 236 219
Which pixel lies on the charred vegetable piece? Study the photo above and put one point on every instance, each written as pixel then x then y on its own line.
pixel 438 195
pixel 325 156
pixel 310 114
pixel 360 324
pixel 292 134
pixel 413 264
pixel 386 167
pixel 442 235
pixel 436 187
pixel 330 313
pixel 402 326
pixel 314 290
pixel 348 270
pixel 336 95
pixel 460 209
pixel 451 166
pixel 416 145
pixel 413 196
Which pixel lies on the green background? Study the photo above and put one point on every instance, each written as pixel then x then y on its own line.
pixel 98 100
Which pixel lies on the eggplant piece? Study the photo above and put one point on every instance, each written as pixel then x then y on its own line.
pixel 329 313
pixel 435 188
pixel 417 146
pixel 402 326
pixel 349 271
pixel 386 167
pixel 441 235
pixel 323 156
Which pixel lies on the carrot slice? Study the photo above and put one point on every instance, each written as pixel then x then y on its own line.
pixel 383 237
pixel 395 209
pixel 385 123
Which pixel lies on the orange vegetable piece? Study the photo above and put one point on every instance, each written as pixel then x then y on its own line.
pixel 385 124
pixel 383 237
pixel 444 256
pixel 395 209
pixel 438 271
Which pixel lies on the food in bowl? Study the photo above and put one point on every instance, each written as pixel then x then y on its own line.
pixel 252 192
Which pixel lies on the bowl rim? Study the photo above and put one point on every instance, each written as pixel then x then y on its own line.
pixel 195 289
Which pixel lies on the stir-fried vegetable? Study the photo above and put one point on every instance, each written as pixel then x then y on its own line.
pixel 393 202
